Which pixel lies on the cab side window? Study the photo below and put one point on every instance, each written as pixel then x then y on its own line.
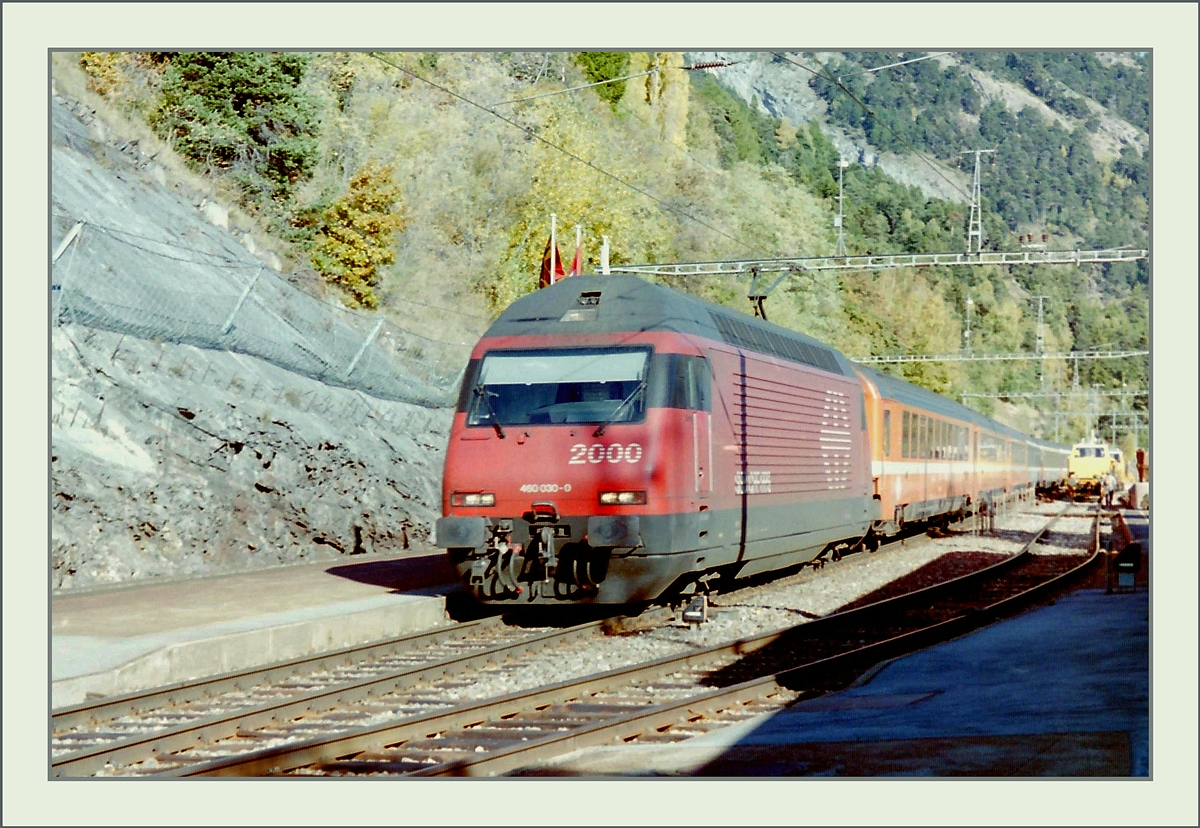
pixel 691 383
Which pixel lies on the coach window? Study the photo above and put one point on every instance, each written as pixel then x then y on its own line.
pixel 904 429
pixel 887 433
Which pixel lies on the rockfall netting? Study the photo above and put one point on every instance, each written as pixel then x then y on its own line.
pixel 139 260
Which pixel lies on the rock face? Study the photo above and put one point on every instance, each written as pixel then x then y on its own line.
pixel 170 460
pixel 782 91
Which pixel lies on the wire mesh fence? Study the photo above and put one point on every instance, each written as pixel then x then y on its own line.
pixel 211 293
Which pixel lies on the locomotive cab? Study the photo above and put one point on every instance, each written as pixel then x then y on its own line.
pixel 616 442
pixel 560 461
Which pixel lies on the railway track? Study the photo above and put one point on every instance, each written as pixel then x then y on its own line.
pixel 422 705
pixel 90 737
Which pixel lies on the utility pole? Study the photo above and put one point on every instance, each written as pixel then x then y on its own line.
pixel 1091 413
pixel 839 219
pixel 1041 337
pixel 967 332
pixel 975 226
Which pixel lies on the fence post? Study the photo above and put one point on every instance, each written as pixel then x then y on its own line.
pixel 70 237
pixel 362 350
pixel 72 234
pixel 245 293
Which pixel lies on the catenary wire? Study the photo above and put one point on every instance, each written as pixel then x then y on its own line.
pixel 711 65
pixel 893 65
pixel 577 88
pixel 532 134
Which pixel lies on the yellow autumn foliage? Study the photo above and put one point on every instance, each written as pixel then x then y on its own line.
pixel 357 234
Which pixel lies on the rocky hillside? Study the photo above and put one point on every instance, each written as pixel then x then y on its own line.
pixel 170 460
pixel 782 90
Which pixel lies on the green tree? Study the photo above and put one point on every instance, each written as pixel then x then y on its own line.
pixel 242 113
pixel 604 66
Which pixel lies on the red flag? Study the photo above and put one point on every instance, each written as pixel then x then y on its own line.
pixel 559 273
pixel 577 262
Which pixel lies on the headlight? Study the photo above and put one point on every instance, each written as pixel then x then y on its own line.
pixel 637 498
pixel 472 499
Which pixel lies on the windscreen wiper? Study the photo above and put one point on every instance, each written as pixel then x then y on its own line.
pixel 481 391
pixel 641 386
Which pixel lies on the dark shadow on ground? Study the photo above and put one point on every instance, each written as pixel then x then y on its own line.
pixel 420 572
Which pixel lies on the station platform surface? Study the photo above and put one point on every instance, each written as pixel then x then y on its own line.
pixel 113 641
pixel 1060 691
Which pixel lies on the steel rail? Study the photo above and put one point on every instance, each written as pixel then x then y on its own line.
pixel 220 726
pixel 629 727
pixel 350 743
pixel 102 710
pixel 141 746
pixel 275 760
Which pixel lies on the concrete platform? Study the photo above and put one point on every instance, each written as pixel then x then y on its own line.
pixel 121 640
pixel 1062 691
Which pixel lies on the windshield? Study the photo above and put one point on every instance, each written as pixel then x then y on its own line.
pixel 560 387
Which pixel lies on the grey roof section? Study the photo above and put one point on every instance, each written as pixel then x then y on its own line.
pixel 901 391
pixel 630 304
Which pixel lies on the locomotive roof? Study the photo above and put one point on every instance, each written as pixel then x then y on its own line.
pixel 623 303
pixel 905 392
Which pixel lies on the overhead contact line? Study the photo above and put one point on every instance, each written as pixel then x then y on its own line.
pixel 532 134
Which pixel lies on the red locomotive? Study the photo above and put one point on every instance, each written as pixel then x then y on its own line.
pixel 619 442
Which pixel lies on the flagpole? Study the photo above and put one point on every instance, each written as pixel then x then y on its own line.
pixel 553 245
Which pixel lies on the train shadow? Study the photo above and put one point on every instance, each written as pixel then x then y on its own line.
pixel 418 573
